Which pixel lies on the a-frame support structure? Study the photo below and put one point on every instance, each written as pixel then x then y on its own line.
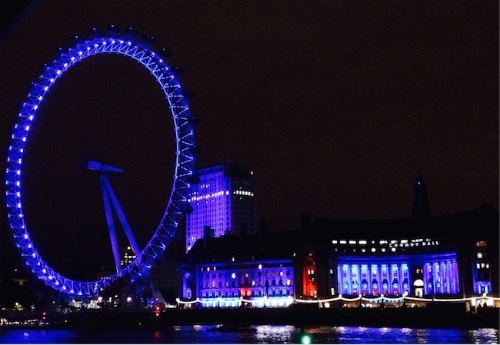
pixel 110 200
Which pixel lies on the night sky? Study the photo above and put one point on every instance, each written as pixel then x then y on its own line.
pixel 336 105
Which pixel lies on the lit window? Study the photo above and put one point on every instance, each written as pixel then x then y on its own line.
pixel 479 255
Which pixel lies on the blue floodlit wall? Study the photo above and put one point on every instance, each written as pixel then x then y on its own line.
pixel 223 199
pixel 427 274
pixel 228 285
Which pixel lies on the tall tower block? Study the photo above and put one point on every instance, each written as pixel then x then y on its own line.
pixel 421 209
pixel 223 199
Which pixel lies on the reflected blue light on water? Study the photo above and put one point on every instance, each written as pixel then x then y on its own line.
pixel 258 334
pixel 385 335
pixel 37 336
pixel 274 334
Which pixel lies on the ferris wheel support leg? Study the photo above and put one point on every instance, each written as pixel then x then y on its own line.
pixel 122 218
pixel 111 224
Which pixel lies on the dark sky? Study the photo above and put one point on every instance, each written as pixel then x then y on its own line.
pixel 337 105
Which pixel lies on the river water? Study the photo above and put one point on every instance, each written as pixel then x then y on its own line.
pixel 258 334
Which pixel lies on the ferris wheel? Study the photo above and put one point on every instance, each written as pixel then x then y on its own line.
pixel 110 43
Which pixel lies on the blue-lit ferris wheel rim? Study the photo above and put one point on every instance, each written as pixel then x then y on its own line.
pixel 184 163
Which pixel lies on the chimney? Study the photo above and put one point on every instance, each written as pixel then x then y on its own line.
pixel 421 209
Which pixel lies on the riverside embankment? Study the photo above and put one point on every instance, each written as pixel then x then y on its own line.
pixel 433 316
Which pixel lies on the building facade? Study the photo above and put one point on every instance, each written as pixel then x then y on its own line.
pixel 239 271
pixel 424 256
pixel 222 200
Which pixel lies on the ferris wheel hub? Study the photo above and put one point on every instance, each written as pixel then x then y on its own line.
pixel 103 169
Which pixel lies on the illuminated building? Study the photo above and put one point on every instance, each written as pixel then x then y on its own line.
pixel 223 200
pixel 424 256
pixel 128 257
pixel 241 271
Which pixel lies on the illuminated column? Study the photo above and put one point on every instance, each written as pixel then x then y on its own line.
pixel 455 286
pixel 438 283
pixel 355 279
pixel 339 279
pixel 394 280
pixel 426 277
pixel 455 278
pixel 400 279
pixel 437 278
pixel 348 278
pixel 370 280
pixel 385 280
pixel 404 279
pixel 344 288
pixel 365 276
pixel 375 279
pixel 446 274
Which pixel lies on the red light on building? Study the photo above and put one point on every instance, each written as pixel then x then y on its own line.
pixel 309 279
pixel 246 292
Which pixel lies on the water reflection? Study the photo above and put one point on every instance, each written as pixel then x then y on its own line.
pixel 254 334
pixel 274 334
pixel 484 336
pixel 384 335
